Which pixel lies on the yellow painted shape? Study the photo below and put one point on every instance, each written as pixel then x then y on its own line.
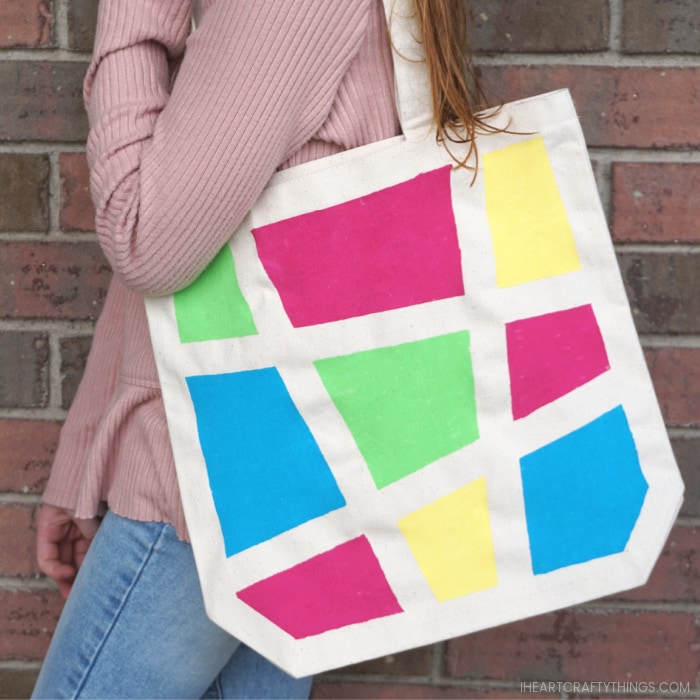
pixel 532 236
pixel 452 543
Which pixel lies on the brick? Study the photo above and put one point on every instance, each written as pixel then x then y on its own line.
pixel 52 280
pixel 17 540
pixel 328 690
pixel 82 18
pixel 77 211
pixel 24 179
pixel 621 107
pixel 539 25
pixel 415 662
pixel 676 576
pixel 687 452
pixel 676 376
pixel 27 621
pixel 74 354
pixel 26 23
pixel 42 101
pixel 584 645
pixel 664 291
pixel 656 202
pixel 24 370
pixel 27 448
pixel 661 26
pixel 17 683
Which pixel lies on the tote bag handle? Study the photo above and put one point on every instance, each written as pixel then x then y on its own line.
pixel 413 98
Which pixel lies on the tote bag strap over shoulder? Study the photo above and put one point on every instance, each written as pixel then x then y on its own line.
pixel 413 99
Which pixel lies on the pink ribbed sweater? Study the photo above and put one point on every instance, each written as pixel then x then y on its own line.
pixel 261 85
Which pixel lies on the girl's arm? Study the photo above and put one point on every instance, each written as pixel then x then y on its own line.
pixel 173 175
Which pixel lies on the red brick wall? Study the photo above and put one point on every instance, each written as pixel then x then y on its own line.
pixel 633 67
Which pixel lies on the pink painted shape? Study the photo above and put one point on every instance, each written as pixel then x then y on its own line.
pixel 340 587
pixel 551 355
pixel 389 249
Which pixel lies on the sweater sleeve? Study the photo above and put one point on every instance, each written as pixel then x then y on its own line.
pixel 90 402
pixel 173 175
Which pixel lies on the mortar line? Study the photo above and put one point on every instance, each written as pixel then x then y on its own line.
pixel 54 194
pixel 438 661
pixel 39 414
pixel 616 13
pixel 61 23
pixel 27 584
pixel 64 327
pixel 627 605
pixel 47 55
pixel 42 147
pixel 55 375
pixel 13 498
pixel 682 342
pixel 684 433
pixel 49 237
pixel 19 665
pixel 614 154
pixel 603 179
pixel 658 248
pixel 601 59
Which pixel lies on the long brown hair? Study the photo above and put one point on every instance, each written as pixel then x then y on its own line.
pixel 458 98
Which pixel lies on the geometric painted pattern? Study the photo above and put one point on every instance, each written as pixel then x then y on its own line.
pixel 198 312
pixel 266 471
pixel 379 252
pixel 340 587
pixel 451 541
pixel 382 395
pixel 551 355
pixel 530 230
pixel 583 493
pixel 408 407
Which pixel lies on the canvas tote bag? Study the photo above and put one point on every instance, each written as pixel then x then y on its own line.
pixel 405 406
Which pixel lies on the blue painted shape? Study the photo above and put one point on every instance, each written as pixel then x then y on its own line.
pixel 583 493
pixel 266 472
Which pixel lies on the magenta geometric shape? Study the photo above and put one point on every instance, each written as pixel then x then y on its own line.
pixel 340 587
pixel 389 249
pixel 551 355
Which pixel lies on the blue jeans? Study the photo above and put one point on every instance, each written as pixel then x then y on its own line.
pixel 134 626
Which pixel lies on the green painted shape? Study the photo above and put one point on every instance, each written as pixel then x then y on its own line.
pixel 213 307
pixel 406 405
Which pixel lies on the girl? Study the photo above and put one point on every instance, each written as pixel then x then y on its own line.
pixel 181 144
